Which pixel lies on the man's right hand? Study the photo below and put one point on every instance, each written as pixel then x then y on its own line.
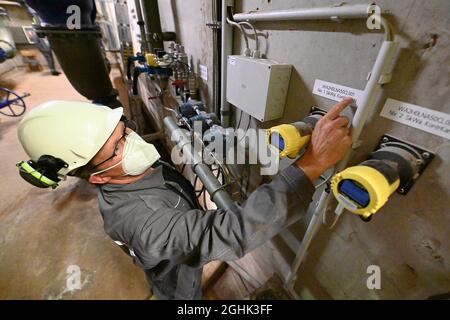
pixel 330 142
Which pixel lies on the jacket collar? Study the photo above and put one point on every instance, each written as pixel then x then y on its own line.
pixel 153 179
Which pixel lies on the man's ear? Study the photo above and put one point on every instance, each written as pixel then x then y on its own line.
pixel 99 179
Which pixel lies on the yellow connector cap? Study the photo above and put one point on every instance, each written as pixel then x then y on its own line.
pixel 292 140
pixel 151 60
pixel 370 180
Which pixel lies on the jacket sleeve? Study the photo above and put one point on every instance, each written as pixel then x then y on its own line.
pixel 196 237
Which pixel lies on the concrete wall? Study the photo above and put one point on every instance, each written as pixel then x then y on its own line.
pixel 409 238
pixel 188 19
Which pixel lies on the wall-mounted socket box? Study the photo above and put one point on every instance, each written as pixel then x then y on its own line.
pixel 258 87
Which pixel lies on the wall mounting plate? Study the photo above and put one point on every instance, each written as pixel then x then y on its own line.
pixel 317 110
pixel 424 157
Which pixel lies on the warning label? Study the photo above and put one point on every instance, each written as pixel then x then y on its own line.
pixel 434 122
pixel 334 91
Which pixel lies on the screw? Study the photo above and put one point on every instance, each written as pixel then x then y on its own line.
pixel 385 139
pixel 426 155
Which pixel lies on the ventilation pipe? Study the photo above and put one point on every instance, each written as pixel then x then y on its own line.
pixel 78 50
pixel 7 47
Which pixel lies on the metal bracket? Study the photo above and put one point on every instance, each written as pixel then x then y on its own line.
pixel 385 78
pixel 317 110
pixel 214 25
pixel 336 19
pixel 424 158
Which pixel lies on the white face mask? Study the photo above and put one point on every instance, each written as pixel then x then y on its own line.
pixel 137 156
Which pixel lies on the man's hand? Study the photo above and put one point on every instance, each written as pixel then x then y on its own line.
pixel 329 142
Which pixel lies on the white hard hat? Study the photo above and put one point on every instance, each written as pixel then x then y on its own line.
pixel 65 135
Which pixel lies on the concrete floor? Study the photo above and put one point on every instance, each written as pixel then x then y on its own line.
pixel 44 232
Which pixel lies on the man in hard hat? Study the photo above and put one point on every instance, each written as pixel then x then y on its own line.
pixel 149 209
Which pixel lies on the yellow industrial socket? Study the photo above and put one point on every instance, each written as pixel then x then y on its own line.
pixel 287 139
pixel 362 190
pixel 151 60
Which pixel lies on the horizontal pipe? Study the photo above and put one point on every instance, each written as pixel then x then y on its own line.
pixel 10 3
pixel 219 196
pixel 357 11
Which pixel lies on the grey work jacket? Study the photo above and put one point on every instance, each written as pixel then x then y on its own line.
pixel 171 240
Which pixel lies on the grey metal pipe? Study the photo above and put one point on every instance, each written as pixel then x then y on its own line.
pixel 227 49
pixel 153 24
pixel 141 23
pixel 356 11
pixel 219 196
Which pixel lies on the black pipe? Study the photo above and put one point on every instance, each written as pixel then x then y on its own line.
pixel 154 35
pixel 79 51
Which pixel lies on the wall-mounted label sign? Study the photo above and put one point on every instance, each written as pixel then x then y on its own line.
pixel 434 122
pixel 204 72
pixel 335 92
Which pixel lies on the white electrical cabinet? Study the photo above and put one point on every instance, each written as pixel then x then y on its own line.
pixel 258 87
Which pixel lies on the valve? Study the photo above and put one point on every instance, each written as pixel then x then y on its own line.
pixel 290 139
pixel 194 111
pixel 191 108
pixel 151 60
pixel 394 166
pixel 160 71
pixel 139 57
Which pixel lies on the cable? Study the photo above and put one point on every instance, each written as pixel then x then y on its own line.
pixel 204 200
pixel 240 119
pixel 247 184
pixel 325 180
pixel 335 221
pixel 337 212
pixel 254 31
pixel 248 126
pixel 199 194
pixel 195 186
pixel 242 32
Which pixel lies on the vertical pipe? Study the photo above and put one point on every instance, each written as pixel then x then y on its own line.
pixel 217 48
pixel 381 67
pixel 141 23
pixel 153 24
pixel 227 49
